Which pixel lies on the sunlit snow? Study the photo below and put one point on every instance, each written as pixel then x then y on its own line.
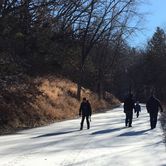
pixel 107 143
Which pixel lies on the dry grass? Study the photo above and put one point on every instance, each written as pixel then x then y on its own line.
pixel 47 100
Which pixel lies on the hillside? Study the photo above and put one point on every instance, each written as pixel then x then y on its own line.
pixel 33 102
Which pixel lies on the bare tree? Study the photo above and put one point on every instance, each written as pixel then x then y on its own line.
pixel 103 19
pixel 92 21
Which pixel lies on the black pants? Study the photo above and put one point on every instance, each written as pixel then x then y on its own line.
pixel 87 121
pixel 153 119
pixel 137 113
pixel 129 117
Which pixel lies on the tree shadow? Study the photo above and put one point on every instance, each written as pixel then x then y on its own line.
pixel 54 134
pixel 107 131
pixel 133 133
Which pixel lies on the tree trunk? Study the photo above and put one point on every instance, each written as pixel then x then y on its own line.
pixel 100 84
pixel 79 85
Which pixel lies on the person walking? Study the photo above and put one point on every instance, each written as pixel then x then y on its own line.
pixel 137 108
pixel 85 109
pixel 152 107
pixel 129 105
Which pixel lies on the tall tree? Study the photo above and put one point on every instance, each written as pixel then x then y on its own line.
pixel 102 19
pixel 156 61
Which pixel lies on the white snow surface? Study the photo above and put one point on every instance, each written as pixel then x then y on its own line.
pixel 107 143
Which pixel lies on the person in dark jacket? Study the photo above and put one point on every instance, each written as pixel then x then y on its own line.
pixel 152 107
pixel 129 105
pixel 85 109
pixel 137 108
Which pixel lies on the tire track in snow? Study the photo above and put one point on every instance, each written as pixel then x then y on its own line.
pixel 22 159
pixel 74 154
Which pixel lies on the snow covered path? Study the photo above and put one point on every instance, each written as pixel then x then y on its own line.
pixel 107 143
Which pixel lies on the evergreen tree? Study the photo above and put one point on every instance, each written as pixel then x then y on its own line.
pixel 156 62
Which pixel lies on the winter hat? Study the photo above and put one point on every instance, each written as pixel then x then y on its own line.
pixel 152 95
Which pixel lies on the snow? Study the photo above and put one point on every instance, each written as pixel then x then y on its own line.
pixel 107 142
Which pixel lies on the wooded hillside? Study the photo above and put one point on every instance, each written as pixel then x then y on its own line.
pixel 81 40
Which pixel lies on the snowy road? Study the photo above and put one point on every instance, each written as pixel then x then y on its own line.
pixel 107 143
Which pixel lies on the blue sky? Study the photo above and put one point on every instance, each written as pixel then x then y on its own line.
pixel 156 18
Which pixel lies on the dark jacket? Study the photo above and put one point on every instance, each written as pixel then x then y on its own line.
pixel 137 107
pixel 85 108
pixel 129 105
pixel 153 104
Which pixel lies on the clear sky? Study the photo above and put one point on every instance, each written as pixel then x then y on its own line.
pixel 157 8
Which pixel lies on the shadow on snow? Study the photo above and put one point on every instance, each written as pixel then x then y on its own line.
pixel 54 134
pixel 133 133
pixel 107 131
